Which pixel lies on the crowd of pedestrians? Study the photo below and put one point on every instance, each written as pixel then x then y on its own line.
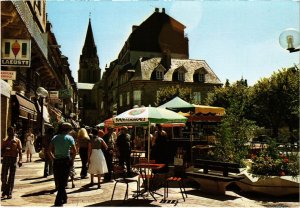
pixel 97 151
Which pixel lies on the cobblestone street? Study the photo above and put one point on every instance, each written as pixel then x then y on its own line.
pixel 31 189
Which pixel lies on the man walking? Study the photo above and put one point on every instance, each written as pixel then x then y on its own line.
pixel 60 148
pixel 123 145
pixel 48 168
pixel 12 147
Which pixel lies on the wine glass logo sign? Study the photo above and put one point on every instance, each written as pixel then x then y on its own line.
pixel 15 48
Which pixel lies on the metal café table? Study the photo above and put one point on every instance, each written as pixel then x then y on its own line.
pixel 136 154
pixel 144 169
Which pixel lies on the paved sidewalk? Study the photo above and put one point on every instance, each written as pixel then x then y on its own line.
pixel 31 189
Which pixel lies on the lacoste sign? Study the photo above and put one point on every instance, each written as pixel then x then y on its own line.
pixel 16 52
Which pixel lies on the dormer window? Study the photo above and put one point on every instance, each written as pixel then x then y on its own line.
pixel 158 73
pixel 199 75
pixel 179 74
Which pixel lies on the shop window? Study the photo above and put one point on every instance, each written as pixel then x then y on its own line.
pixel 121 100
pixel 128 98
pixel 137 97
pixel 197 97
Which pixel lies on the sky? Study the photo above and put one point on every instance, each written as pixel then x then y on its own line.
pixel 237 38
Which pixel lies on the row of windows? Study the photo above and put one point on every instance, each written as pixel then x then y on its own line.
pixel 137 98
pixel 179 75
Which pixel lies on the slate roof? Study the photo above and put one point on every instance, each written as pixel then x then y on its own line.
pixel 190 65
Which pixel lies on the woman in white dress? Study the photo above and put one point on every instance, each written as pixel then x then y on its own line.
pixel 97 162
pixel 29 147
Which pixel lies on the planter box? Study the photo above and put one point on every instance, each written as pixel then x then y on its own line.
pixel 271 185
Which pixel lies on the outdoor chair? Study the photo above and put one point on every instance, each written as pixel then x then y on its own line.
pixel 119 175
pixel 179 181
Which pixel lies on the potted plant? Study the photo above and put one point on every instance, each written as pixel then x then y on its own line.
pixel 272 172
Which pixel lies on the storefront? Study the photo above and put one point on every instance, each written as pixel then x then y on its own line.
pixel 24 114
pixel 5 96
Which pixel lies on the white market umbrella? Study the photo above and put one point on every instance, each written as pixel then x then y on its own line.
pixel 144 116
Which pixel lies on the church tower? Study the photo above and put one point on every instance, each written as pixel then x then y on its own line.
pixel 89 70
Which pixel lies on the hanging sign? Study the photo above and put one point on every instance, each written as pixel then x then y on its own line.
pixel 64 93
pixel 8 75
pixel 53 94
pixel 16 52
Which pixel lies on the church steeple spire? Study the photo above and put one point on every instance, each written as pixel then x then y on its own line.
pixel 89 70
pixel 89 47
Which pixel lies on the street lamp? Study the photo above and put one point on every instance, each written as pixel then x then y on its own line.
pixel 42 93
pixel 289 39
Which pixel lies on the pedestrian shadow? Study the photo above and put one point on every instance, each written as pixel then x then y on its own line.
pixel 42 181
pixel 39 193
pixel 84 188
pixel 38 161
pixel 125 203
pixel 29 179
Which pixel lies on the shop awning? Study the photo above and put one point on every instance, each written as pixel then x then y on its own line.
pixel 178 104
pixel 27 108
pixel 205 109
pixel 5 88
pixel 200 117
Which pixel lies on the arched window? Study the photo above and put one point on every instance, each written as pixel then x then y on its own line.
pixel 199 75
pixel 179 75
pixel 158 73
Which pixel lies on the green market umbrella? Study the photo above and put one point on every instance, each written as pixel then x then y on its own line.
pixel 178 104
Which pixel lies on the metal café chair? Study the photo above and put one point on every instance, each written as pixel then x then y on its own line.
pixel 119 175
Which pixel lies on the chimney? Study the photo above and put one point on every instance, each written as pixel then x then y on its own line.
pixel 156 9
pixel 134 27
pixel 166 59
pixel 163 11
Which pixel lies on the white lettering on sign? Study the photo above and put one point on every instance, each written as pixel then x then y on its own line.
pixel 13 62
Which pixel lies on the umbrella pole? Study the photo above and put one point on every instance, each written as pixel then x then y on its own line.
pixel 192 139
pixel 148 170
pixel 149 142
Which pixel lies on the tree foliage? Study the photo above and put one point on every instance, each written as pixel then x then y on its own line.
pixel 232 135
pixel 272 103
pixel 235 129
pixel 233 98
pixel 166 94
pixel 275 100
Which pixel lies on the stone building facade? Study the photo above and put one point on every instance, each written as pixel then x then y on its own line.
pixel 154 56
pixel 27 20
